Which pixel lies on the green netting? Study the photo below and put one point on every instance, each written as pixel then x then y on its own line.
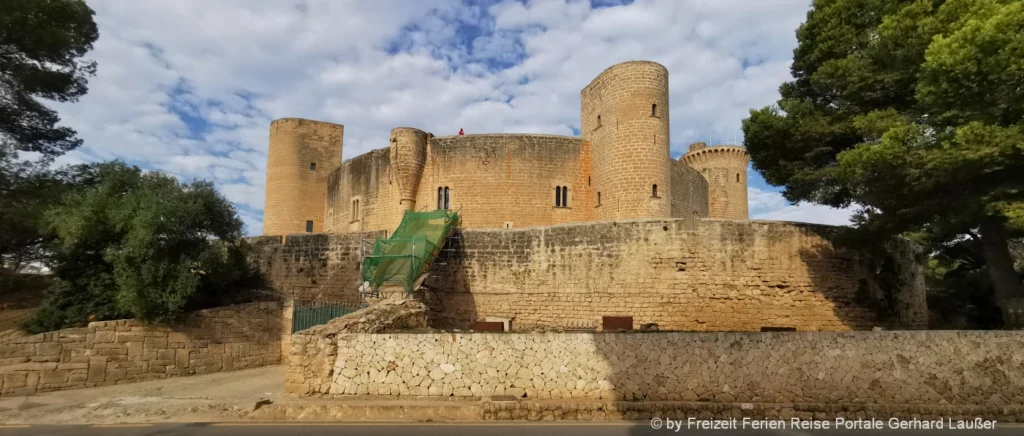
pixel 400 259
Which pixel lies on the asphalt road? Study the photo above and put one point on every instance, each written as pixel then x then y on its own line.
pixel 440 429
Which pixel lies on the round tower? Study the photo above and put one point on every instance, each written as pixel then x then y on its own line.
pixel 725 169
pixel 624 116
pixel 408 157
pixel 301 155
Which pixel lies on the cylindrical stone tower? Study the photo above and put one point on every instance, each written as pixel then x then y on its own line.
pixel 725 168
pixel 624 116
pixel 302 154
pixel 408 157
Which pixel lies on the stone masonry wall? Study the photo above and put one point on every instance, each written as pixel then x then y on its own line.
pixel 681 274
pixel 296 190
pixel 938 367
pixel 689 192
pixel 126 351
pixel 316 267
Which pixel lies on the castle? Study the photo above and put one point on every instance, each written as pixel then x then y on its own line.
pixel 618 169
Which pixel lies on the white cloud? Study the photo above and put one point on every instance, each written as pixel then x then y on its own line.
pixel 766 205
pixel 190 87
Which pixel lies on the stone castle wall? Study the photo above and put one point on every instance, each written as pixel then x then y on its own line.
pixel 689 192
pixel 127 351
pixel 681 274
pixel 725 169
pixel 317 267
pixel 624 115
pixel 296 192
pixel 940 367
pixel 369 180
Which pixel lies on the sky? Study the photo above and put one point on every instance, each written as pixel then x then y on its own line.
pixel 190 87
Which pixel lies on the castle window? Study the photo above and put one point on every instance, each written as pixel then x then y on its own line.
pixel 588 180
pixel 312 166
pixel 598 198
pixel 309 227
pixel 598 121
pixel 654 191
pixel 446 204
pixel 654 109
pixel 355 210
pixel 737 177
pixel 440 198
pixel 561 196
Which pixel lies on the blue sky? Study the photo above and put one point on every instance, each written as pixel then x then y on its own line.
pixel 189 87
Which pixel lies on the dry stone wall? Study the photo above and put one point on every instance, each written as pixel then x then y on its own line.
pixel 940 367
pixel 126 351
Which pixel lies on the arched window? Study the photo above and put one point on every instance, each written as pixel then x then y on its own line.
pixel 558 196
pixel 355 209
pixel 565 196
pixel 446 204
pixel 654 109
pixel 737 177
pixel 440 198
pixel 598 121
pixel 654 191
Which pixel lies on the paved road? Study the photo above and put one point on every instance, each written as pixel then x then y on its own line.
pixel 439 429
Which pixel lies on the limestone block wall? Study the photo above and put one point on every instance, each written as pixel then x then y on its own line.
pixel 681 274
pixel 317 267
pixel 689 192
pixel 940 367
pixel 363 193
pixel 296 190
pixel 725 169
pixel 500 179
pixel 624 114
pixel 127 351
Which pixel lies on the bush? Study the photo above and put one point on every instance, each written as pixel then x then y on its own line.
pixel 144 246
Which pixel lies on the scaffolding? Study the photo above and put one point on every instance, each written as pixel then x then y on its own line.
pixel 403 260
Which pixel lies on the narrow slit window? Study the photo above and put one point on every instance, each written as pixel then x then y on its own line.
pixel 654 109
pixel 654 191
pixel 558 196
pixel 598 121
pixel 598 198
pixel 565 196
pixel 309 227
pixel 312 166
pixel 737 177
pixel 440 198
pixel 446 204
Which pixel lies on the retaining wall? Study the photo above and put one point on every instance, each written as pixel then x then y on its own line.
pixel 126 351
pixel 919 367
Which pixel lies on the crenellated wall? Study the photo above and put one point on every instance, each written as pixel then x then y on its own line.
pixel 725 169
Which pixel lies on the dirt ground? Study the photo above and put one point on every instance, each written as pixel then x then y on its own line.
pixel 225 396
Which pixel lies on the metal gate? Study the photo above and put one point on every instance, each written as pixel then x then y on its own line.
pixel 306 314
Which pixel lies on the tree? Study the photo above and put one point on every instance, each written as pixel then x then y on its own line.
pixel 142 245
pixel 41 43
pixel 914 111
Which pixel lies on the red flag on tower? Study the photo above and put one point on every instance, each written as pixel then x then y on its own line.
pixel 460 132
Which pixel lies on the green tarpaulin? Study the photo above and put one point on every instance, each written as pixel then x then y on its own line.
pixel 400 259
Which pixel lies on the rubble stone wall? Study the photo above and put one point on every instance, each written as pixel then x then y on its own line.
pixel 126 351
pixel 907 367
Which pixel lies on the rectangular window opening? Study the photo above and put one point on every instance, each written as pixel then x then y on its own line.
pixel 309 227
pixel 312 166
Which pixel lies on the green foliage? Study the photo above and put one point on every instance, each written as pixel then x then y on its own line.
pixel 145 246
pixel 912 110
pixel 41 43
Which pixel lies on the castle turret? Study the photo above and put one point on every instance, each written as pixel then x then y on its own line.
pixel 624 116
pixel 725 169
pixel 408 157
pixel 301 155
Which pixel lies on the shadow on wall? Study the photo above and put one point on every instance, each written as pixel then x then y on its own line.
pixel 888 274
pixel 448 309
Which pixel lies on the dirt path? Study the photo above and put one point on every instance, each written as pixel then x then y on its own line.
pixel 226 396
